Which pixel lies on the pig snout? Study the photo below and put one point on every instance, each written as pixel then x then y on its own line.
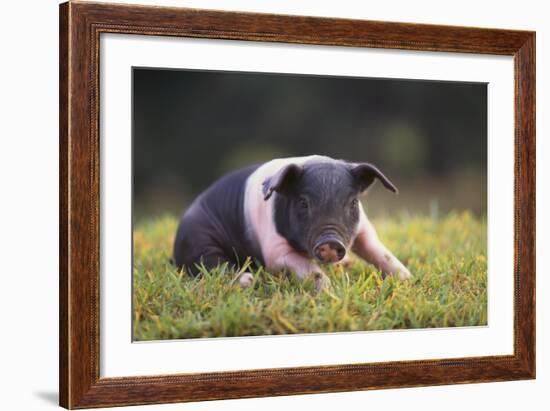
pixel 329 250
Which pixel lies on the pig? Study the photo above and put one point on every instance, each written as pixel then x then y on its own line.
pixel 288 215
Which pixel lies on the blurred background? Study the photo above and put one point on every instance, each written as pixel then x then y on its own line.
pixel 191 127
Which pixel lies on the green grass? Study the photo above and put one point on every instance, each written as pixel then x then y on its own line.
pixel 447 257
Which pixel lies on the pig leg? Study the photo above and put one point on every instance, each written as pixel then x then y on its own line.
pixel 211 257
pixel 194 245
pixel 370 248
pixel 212 260
pixel 302 266
pixel 246 279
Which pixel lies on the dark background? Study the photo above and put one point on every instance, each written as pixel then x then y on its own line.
pixel 190 127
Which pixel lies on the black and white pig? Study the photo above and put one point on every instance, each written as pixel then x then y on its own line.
pixel 290 214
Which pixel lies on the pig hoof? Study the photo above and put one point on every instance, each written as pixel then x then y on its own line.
pixel 245 280
pixel 404 275
pixel 322 282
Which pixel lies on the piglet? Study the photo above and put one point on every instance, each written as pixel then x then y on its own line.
pixel 289 214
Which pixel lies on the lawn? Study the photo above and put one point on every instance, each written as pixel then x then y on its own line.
pixel 447 256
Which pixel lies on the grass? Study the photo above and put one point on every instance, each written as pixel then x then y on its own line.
pixel 447 257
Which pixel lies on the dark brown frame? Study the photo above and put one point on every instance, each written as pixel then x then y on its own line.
pixel 80 27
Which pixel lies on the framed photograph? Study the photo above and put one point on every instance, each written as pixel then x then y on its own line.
pixel 259 205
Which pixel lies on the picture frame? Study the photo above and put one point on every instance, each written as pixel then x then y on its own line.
pixel 81 25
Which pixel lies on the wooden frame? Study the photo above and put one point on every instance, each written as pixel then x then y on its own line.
pixel 80 27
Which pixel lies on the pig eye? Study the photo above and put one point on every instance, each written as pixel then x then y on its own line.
pixel 303 203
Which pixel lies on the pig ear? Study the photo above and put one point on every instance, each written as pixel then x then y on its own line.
pixel 281 180
pixel 366 173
